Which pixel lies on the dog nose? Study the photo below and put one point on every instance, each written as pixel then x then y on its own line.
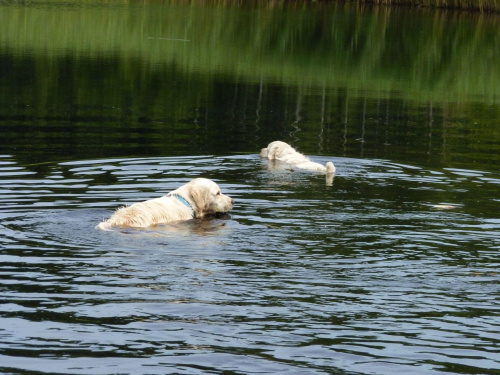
pixel 232 201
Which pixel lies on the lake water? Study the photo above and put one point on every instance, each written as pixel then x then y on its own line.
pixel 392 267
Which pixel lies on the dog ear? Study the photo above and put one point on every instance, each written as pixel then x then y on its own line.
pixel 199 195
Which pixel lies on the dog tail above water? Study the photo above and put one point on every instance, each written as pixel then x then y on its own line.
pixel 330 168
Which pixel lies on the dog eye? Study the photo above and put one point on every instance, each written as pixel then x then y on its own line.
pixel 218 193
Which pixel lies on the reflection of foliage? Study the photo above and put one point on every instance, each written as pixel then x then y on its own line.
pixel 148 79
pixel 481 5
pixel 419 53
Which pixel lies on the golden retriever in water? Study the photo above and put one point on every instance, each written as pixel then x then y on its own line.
pixel 285 153
pixel 196 199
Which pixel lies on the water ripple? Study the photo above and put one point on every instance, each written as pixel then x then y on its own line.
pixel 365 275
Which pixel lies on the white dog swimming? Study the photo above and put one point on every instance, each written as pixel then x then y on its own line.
pixel 196 199
pixel 285 153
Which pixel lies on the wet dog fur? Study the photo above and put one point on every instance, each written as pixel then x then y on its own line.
pixel 285 153
pixel 196 199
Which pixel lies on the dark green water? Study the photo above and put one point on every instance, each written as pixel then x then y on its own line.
pixel 108 103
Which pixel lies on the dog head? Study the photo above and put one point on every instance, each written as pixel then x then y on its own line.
pixel 205 196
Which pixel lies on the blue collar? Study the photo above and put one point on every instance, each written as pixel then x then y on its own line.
pixel 184 201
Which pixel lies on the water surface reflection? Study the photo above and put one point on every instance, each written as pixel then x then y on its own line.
pixel 363 276
pixel 168 78
pixel 390 268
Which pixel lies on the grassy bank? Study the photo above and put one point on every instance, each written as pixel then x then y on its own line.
pixel 475 5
